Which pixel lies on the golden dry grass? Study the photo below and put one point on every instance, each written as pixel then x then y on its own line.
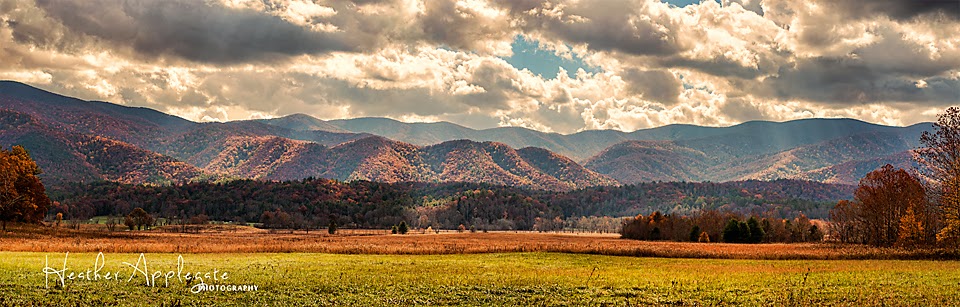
pixel 237 239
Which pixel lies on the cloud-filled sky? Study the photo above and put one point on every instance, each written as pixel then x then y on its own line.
pixel 550 65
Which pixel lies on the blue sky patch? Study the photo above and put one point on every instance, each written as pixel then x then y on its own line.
pixel 545 63
pixel 682 3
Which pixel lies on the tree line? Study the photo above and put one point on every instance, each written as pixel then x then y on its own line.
pixel 316 203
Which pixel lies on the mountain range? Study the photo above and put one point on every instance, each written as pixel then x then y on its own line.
pixel 76 140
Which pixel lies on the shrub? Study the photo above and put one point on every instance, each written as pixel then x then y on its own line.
pixel 332 228
pixel 201 219
pixel 704 237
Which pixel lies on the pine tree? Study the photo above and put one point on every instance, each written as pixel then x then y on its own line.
pixel 694 233
pixel 731 233
pixel 744 232
pixel 756 232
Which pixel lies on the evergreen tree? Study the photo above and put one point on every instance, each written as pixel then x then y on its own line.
pixel 756 232
pixel 695 233
pixel 744 232
pixel 731 233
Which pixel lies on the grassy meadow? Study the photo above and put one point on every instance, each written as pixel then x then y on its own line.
pixel 244 239
pixel 528 279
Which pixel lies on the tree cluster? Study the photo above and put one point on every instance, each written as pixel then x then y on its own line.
pixel 889 208
pixel 716 226
pixel 738 231
pixel 895 207
pixel 138 219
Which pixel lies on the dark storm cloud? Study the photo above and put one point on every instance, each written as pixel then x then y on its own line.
pixel 851 82
pixel 717 66
pixel 192 30
pixel 902 9
pixel 657 85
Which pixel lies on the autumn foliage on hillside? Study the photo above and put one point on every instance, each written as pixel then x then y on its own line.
pixel 67 156
pixel 378 159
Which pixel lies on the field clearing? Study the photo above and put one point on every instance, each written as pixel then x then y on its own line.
pixel 523 279
pixel 233 239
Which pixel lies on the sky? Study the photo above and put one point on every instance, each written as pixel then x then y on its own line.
pixel 550 65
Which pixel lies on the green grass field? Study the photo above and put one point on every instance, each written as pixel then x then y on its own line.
pixel 489 279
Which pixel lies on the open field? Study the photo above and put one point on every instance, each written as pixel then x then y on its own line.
pixel 369 268
pixel 526 279
pixel 234 239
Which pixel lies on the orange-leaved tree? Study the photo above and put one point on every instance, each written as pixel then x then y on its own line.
pixel 22 195
pixel 887 198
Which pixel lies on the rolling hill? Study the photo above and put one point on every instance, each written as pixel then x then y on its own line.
pixel 375 158
pixel 76 140
pixel 65 156
pixel 749 138
pixel 734 158
pixel 145 145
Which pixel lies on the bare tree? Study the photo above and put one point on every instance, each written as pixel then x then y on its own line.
pixel 111 223
pixel 846 223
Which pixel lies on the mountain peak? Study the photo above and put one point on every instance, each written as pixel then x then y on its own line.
pixel 302 122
